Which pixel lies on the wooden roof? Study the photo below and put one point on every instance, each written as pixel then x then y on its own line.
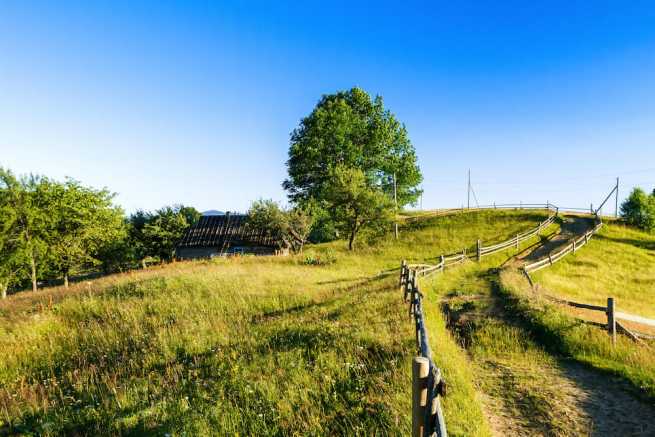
pixel 223 231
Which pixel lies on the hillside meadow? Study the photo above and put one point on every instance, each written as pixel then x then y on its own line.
pixel 313 344
pixel 617 262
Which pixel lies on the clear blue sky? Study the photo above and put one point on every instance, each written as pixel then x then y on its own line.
pixel 193 102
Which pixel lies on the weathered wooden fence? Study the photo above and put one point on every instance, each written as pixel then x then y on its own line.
pixel 427 383
pixel 613 316
pixel 452 259
pixel 553 257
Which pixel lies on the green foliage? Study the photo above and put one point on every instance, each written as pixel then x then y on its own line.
pixel 349 129
pixel 356 204
pixel 83 221
pixel 639 209
pixel 233 346
pixel 322 258
pixel 288 227
pixel 163 230
pixel 27 226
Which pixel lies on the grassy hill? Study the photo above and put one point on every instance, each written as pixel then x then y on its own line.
pixel 618 262
pixel 243 345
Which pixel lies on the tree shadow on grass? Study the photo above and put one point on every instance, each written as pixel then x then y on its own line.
pixel 641 244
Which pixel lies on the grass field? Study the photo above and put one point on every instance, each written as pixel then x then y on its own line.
pixel 244 346
pixel 554 328
pixel 618 262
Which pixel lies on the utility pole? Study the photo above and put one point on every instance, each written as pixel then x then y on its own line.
pixel 395 201
pixel 421 201
pixel 616 202
pixel 468 192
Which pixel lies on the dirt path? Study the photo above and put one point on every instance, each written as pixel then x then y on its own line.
pixel 573 226
pixel 527 391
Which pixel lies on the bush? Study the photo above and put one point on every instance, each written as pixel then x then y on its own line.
pixel 639 210
pixel 326 257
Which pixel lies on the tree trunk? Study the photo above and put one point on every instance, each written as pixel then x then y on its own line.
pixel 33 265
pixel 3 290
pixel 143 263
pixel 66 279
pixel 351 241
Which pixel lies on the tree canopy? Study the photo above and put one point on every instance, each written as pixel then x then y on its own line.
pixel 288 227
pixel 639 209
pixel 344 160
pixel 350 129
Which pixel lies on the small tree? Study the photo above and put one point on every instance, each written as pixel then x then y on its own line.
pixel 639 210
pixel 12 258
pixel 27 220
pixel 289 228
pixel 356 204
pixel 164 229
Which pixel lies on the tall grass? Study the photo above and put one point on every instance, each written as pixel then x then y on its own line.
pixel 587 344
pixel 618 262
pixel 247 345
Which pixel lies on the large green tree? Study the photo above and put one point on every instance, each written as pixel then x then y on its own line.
pixel 83 220
pixel 27 223
pixel 12 255
pixel 350 129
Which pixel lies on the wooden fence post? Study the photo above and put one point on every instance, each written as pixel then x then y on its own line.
pixel 517 241
pixel 611 321
pixel 574 246
pixel 479 248
pixel 420 371
pixel 550 259
pixel 443 263
pixel 403 266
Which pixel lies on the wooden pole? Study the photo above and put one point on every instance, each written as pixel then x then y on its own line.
pixel 616 200
pixel 611 320
pixel 468 192
pixel 395 200
pixel 420 370
pixel 443 263
pixel 479 250
pixel 517 241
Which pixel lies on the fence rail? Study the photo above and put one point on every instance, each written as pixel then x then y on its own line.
pixel 572 247
pixel 613 317
pixel 452 259
pixel 427 383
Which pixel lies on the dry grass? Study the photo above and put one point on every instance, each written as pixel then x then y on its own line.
pixel 245 345
pixel 619 262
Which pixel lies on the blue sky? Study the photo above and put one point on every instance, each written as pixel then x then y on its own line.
pixel 193 102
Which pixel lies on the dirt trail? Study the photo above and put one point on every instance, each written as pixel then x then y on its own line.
pixel 527 391
pixel 573 226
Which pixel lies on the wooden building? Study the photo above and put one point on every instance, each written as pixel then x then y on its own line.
pixel 221 235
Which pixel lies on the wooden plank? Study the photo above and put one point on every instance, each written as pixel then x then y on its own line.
pixel 634 318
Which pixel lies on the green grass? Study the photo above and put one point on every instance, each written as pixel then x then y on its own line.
pixel 618 262
pixel 494 361
pixel 245 346
pixel 572 338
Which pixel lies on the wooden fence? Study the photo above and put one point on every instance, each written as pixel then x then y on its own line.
pixel 613 325
pixel 427 383
pixel 452 259
pixel 452 211
pixel 572 247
